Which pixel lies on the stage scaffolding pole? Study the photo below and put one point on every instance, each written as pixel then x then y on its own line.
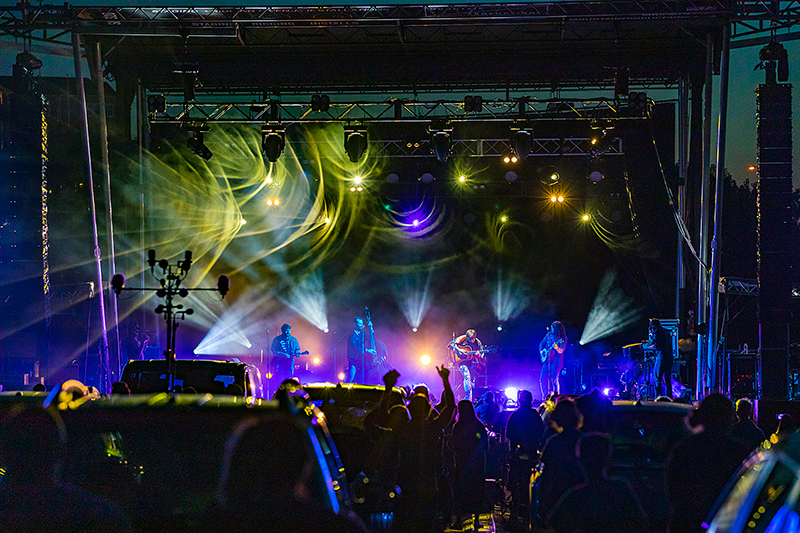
pixel 705 196
pixel 105 383
pixel 716 240
pixel 140 107
pixel 101 95
pixel 683 166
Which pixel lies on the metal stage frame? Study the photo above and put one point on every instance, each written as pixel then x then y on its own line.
pixel 396 62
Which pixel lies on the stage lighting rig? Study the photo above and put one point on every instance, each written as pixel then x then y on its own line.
pixel 170 286
pixel 273 141
pixel 441 143
pixel 774 59
pixel 196 142
pixel 522 141
pixel 355 143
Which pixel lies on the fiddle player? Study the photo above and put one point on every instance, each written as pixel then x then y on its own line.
pixel 551 350
pixel 468 357
pixel 359 351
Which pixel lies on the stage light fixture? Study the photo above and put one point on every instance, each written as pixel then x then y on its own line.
pixel 504 218
pixel 441 142
pixel 427 178
pixel 414 329
pixel 28 62
pixel 473 104
pixel 320 103
pixel 273 141
pixel 341 376
pixel 586 217
pixel 425 359
pixel 196 142
pixel 522 142
pixel 595 173
pixel 462 179
pixel 242 222
pixel 355 143
pixel 551 176
pixel 637 101
pixel 511 176
pixel 771 56
pixel 554 199
pixel 156 103
pixel 560 199
pixel 511 393
pixel 316 360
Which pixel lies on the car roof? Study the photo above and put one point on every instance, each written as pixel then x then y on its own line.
pixel 159 363
pixel 667 407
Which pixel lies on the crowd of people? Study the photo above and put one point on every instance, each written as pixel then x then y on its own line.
pixel 442 464
pixel 441 456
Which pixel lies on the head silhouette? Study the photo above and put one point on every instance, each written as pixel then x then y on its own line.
pixel 525 398
pixel 419 407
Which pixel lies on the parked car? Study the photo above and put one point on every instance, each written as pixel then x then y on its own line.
pixel 204 376
pixel 764 494
pixel 159 457
pixel 643 434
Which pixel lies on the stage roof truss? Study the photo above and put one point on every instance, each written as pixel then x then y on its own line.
pixel 399 110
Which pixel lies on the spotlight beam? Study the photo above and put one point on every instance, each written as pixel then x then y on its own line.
pixel 611 312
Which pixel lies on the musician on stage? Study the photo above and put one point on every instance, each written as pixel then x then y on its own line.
pixel 551 350
pixel 660 340
pixel 468 358
pixel 359 351
pixel 285 349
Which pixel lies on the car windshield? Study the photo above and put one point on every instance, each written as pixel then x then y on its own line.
pixel 644 437
pixel 159 466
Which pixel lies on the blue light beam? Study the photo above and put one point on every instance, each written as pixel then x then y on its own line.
pixel 611 312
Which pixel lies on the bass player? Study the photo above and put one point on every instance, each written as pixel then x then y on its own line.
pixel 469 357
pixel 551 350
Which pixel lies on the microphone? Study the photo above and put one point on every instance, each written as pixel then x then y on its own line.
pixel 186 264
pixel 117 283
pixel 223 285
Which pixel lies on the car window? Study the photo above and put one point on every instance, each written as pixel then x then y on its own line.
pixel 771 498
pixel 725 518
pixel 645 437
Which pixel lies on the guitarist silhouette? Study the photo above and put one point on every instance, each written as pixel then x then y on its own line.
pixel 285 349
pixel 551 350
pixel 469 357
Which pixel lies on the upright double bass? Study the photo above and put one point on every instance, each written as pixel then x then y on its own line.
pixel 375 348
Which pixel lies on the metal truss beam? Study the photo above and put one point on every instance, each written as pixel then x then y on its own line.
pixel 398 110
pixel 738 286
pixel 241 22
pixel 394 148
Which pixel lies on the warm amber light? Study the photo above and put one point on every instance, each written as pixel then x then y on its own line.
pixel 553 199
pixel 425 359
